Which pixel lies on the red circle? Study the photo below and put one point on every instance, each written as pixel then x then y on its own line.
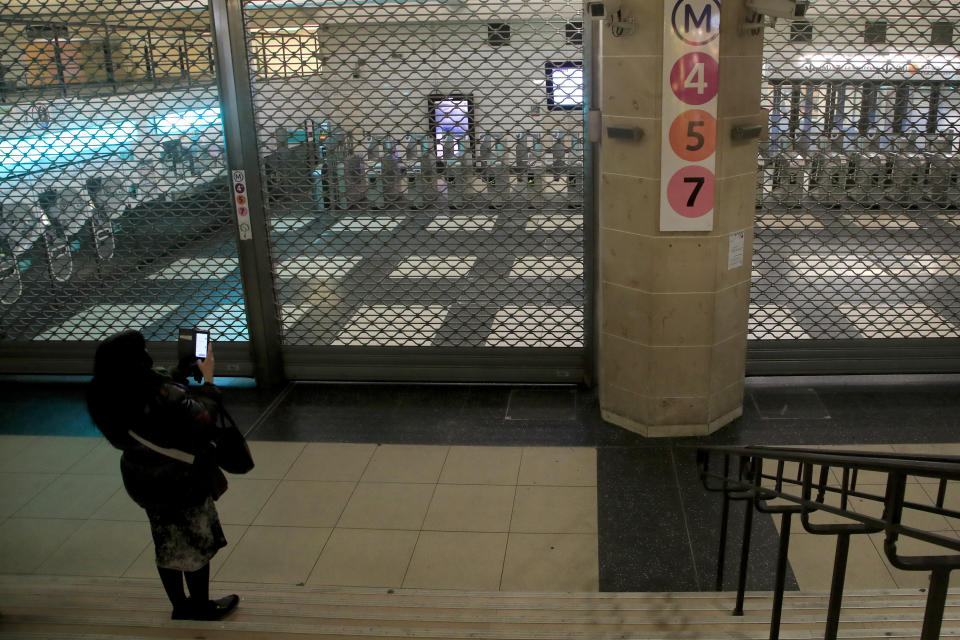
pixel 683 187
pixel 694 78
pixel 693 135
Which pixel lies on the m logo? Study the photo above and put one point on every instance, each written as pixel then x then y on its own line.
pixel 696 22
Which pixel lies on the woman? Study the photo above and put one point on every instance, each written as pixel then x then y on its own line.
pixel 166 432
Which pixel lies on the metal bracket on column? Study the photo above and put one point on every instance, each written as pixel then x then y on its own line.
pixel 634 134
pixel 594 125
pixel 748 132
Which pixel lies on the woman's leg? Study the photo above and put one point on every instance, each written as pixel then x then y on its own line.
pixel 199 584
pixel 172 580
pixel 203 607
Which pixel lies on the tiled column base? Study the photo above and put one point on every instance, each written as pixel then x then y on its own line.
pixel 671 430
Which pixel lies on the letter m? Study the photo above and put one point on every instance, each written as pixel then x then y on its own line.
pixel 689 15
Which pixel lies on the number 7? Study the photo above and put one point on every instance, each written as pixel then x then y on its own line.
pixel 696 190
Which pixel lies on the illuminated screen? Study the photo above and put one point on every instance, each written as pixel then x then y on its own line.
pixel 564 85
pixel 183 121
pixel 201 351
pixel 451 115
pixel 41 152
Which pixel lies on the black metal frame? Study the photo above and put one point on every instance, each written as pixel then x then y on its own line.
pixel 548 69
pixel 745 483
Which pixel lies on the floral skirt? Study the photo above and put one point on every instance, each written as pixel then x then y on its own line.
pixel 186 538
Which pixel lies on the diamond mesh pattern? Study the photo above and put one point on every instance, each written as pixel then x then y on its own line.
pixel 424 170
pixel 858 232
pixel 115 206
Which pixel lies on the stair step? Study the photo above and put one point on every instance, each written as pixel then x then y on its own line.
pixel 74 608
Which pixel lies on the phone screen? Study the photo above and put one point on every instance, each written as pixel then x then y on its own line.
pixel 201 344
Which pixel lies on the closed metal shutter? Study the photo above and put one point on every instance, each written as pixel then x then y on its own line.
pixel 423 167
pixel 115 212
pixel 858 230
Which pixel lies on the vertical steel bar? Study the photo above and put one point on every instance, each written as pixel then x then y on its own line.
pixel 58 61
pixel 242 154
pixel 184 64
pixel 591 182
pixel 744 556
pixel 151 66
pixel 845 483
pixel 836 586
pixel 941 493
pixel 934 110
pixel 724 522
pixel 781 577
pixel 936 601
pixel 108 61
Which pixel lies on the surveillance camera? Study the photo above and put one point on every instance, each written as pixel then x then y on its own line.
pixel 595 9
pixel 778 8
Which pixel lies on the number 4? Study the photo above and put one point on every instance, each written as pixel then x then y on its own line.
pixel 695 79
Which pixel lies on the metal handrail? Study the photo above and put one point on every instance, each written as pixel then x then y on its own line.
pixel 746 484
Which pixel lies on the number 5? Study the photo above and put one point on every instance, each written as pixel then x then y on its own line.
pixel 695 135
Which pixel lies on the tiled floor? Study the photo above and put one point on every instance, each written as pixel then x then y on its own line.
pixel 436 517
pixel 462 487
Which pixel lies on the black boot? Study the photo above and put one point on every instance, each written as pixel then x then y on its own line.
pixel 217 609
pixel 209 610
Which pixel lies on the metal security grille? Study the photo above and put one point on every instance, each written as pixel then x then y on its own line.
pixel 858 229
pixel 114 205
pixel 423 165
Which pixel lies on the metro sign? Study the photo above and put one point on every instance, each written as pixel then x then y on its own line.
pixel 691 73
pixel 696 22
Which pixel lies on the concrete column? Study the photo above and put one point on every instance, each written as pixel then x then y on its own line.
pixel 672 315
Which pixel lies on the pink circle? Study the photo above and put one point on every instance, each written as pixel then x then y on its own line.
pixel 690 191
pixel 694 78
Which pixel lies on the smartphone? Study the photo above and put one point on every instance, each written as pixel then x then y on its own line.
pixel 201 340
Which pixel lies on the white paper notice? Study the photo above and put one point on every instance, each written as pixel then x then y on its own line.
pixel 735 256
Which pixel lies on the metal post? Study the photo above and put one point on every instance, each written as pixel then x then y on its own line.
pixel 836 586
pixel 184 60
pixel 151 66
pixel 108 62
pixel 781 577
pixel 591 182
pixel 58 61
pixel 744 556
pixel 724 519
pixel 256 269
pixel 936 601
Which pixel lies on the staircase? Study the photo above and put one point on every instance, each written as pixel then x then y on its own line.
pixel 74 608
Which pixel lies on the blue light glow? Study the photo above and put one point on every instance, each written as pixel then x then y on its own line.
pixel 184 121
pixel 56 147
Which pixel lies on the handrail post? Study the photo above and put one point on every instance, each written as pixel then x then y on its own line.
pixel 836 586
pixel 781 578
pixel 744 557
pixel 724 520
pixel 745 547
pixel 936 601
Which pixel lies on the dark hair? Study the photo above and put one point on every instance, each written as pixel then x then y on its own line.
pixel 123 381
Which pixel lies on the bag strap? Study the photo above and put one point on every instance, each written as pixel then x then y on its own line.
pixel 224 416
pixel 176 454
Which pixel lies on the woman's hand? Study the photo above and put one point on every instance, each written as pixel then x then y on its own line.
pixel 206 365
